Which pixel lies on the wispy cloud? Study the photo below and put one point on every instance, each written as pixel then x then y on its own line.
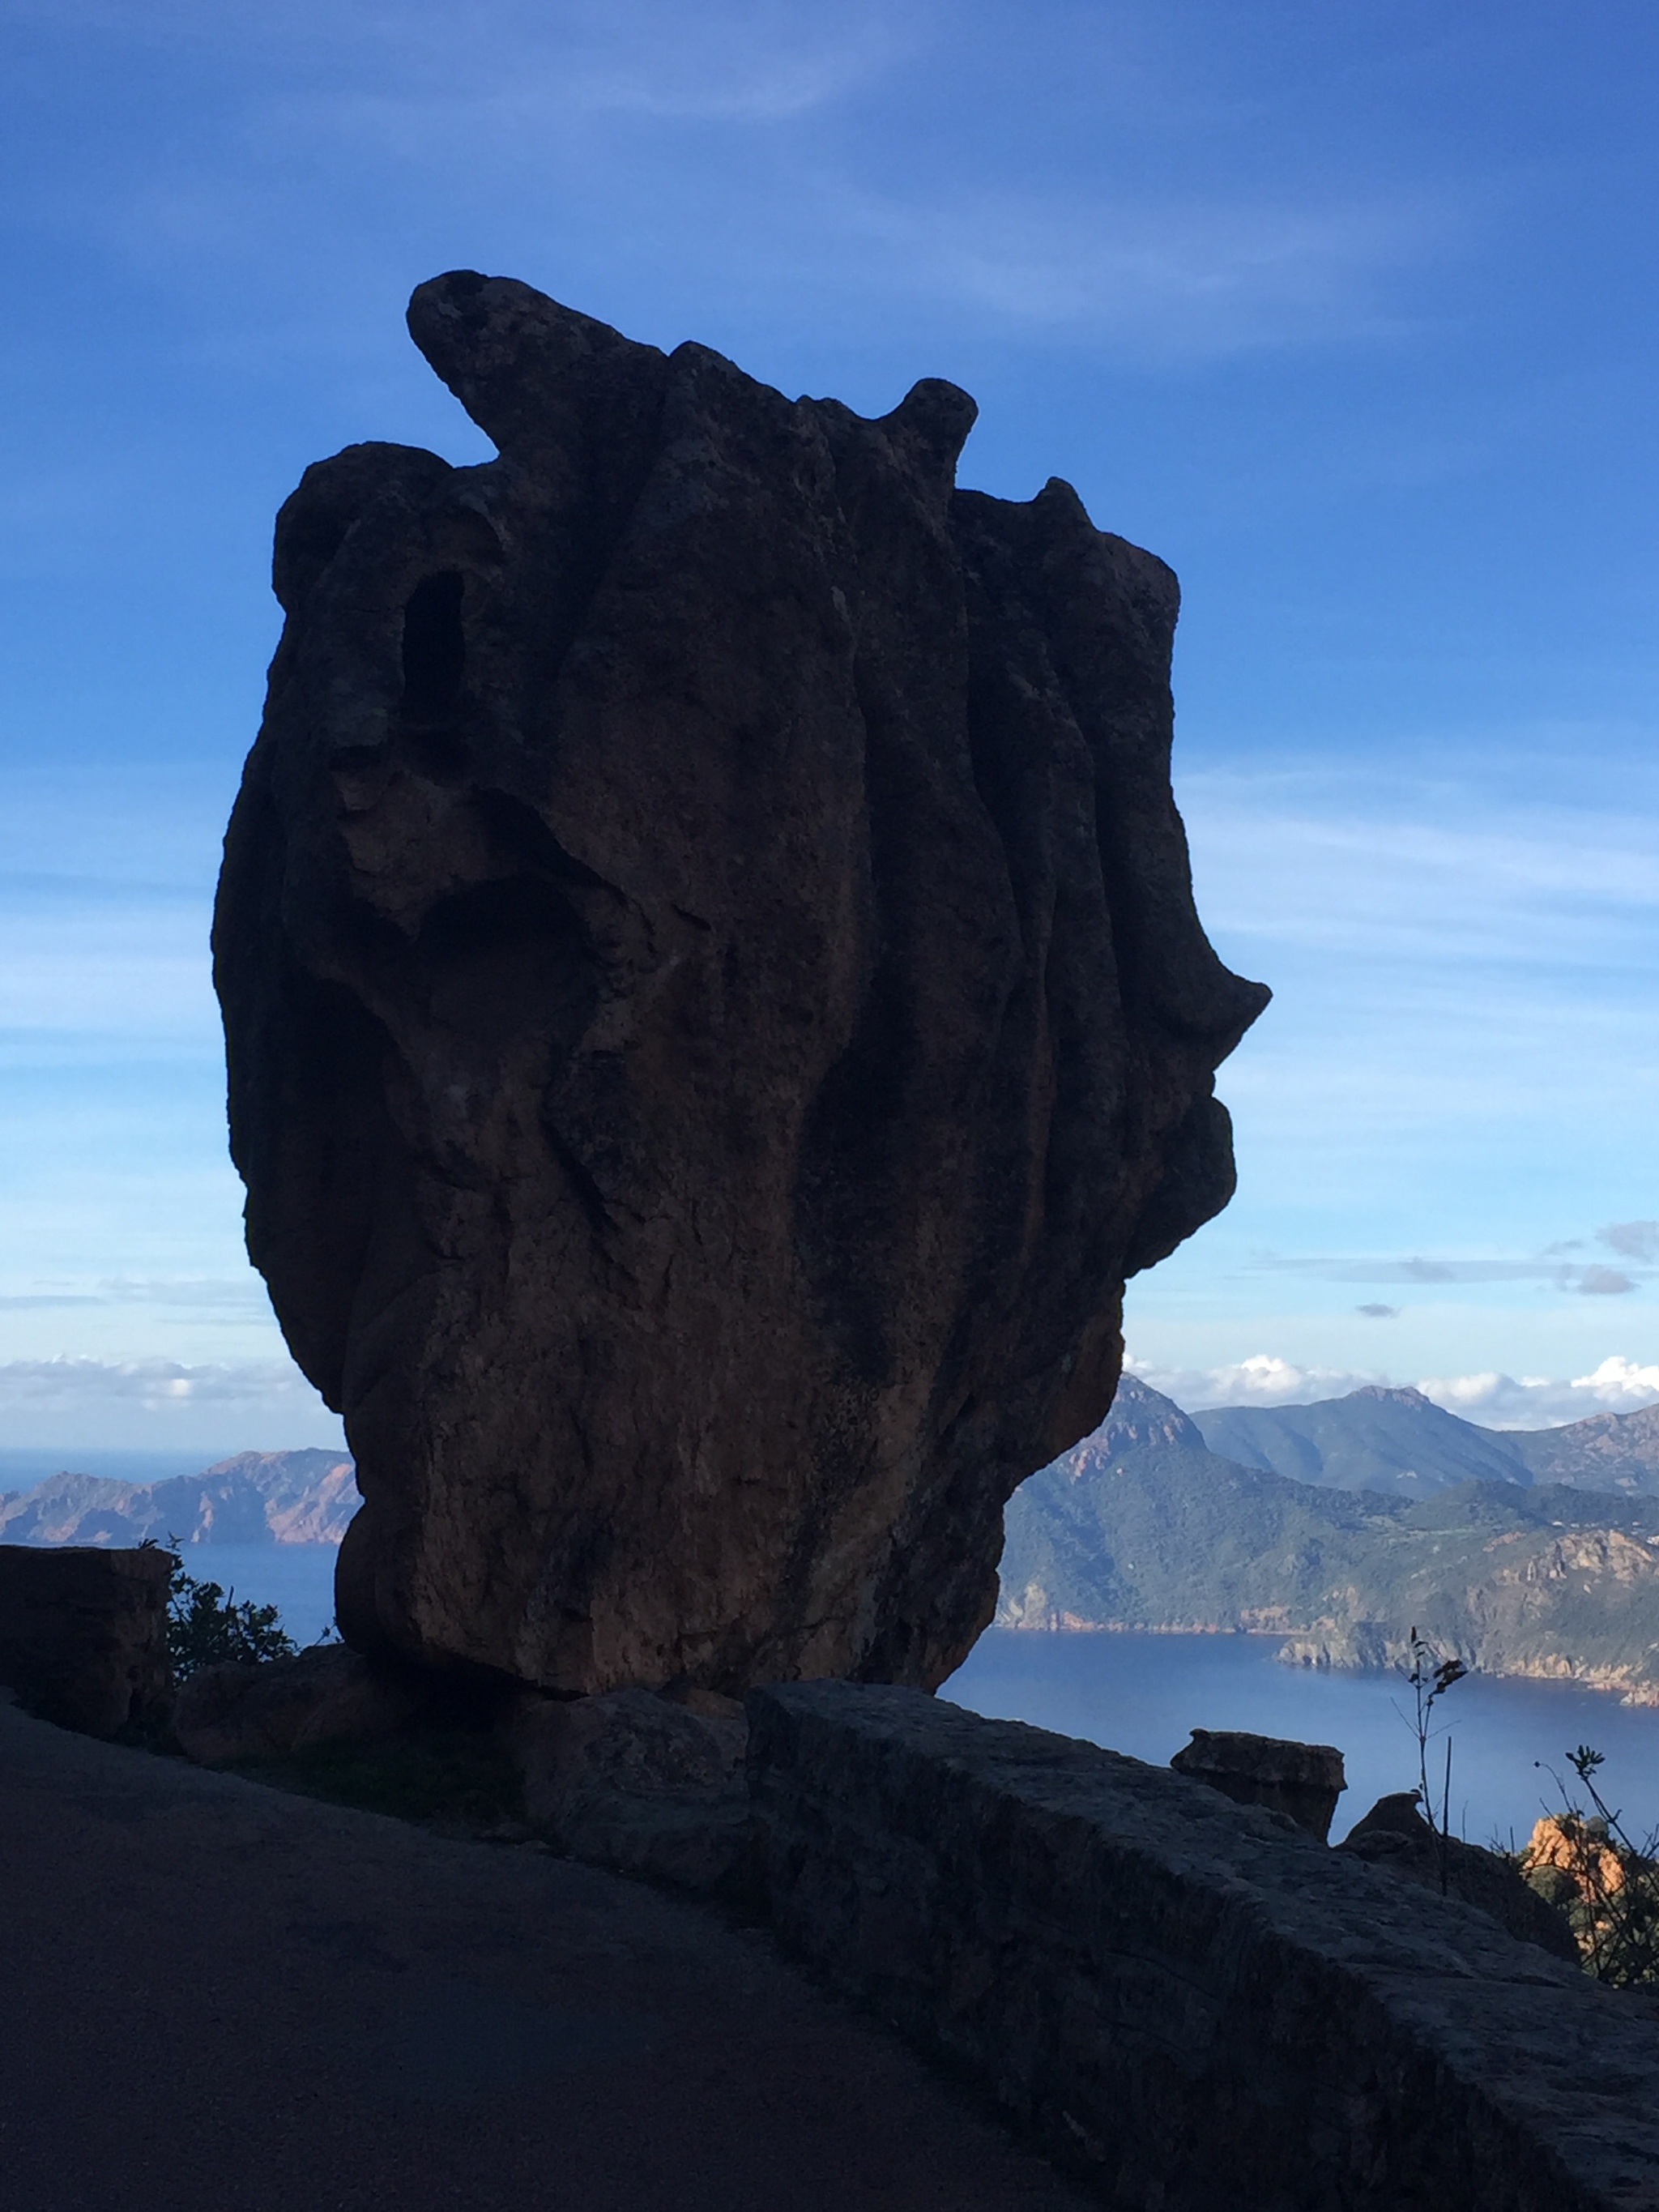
pixel 751 144
pixel 155 1384
pixel 1590 1278
pixel 1440 872
pixel 1203 276
pixel 730 60
pixel 1634 1240
pixel 120 967
pixel 239 1297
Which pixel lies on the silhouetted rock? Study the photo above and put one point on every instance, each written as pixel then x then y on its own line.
pixel 1394 1836
pixel 715 1008
pixel 83 1635
pixel 1302 1780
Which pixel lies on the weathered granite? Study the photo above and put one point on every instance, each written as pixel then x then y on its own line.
pixel 639 1783
pixel 715 1008
pixel 1193 2001
pixel 83 1635
pixel 1302 1780
pixel 326 1694
pixel 1394 1837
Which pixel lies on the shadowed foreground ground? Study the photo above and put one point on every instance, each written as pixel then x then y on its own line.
pixel 214 1996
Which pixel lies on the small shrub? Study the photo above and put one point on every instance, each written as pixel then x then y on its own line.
pixel 1430 1674
pixel 206 1626
pixel 1582 1859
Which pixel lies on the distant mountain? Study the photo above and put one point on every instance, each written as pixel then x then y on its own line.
pixel 1400 1444
pixel 1144 1526
pixel 254 1498
pixel 1607 1452
pixel 1397 1442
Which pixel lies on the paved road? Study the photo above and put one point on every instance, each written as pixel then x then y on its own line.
pixel 216 1998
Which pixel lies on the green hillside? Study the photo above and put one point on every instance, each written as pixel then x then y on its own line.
pixel 1396 1442
pixel 1607 1452
pixel 1143 1526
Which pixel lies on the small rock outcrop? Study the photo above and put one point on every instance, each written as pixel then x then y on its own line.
pixel 1301 1780
pixel 714 1006
pixel 83 1635
pixel 1394 1837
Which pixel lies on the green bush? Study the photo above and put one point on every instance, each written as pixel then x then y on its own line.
pixel 206 1626
pixel 1583 1861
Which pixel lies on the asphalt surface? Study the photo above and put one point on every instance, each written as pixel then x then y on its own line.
pixel 213 1994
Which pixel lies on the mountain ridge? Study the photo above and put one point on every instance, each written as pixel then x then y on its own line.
pixel 1142 1526
pixel 1399 1442
pixel 302 1497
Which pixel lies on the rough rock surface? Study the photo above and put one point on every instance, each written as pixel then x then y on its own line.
pixel 324 1695
pixel 83 1635
pixel 1195 2003
pixel 1301 1780
pixel 637 1783
pixel 714 1007
pixel 1394 1837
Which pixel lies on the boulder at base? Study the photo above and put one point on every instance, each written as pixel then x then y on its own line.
pixel 268 1709
pixel 715 1008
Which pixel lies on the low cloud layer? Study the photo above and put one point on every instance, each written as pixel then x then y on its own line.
pixel 136 1403
pixel 1617 1385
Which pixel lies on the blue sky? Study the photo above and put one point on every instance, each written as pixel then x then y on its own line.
pixel 1348 311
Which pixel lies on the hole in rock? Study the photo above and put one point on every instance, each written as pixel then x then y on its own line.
pixel 434 646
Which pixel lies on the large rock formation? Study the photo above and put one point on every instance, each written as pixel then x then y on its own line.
pixel 715 1008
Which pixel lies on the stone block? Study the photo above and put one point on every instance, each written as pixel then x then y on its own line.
pixel 1302 1780
pixel 1201 2007
pixel 84 1634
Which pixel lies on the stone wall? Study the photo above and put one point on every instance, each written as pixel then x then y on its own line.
pixel 84 1634
pixel 1197 2003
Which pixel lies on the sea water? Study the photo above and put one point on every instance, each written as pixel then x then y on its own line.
pixel 298 1579
pixel 1144 1695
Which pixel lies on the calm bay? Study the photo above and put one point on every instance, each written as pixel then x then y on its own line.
pixel 1142 1694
